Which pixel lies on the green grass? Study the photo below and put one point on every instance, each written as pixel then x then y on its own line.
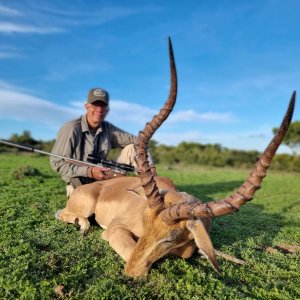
pixel 39 253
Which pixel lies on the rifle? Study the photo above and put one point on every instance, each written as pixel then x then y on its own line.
pixel 116 169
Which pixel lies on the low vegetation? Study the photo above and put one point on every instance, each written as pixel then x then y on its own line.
pixel 42 258
pixel 218 156
pixel 183 154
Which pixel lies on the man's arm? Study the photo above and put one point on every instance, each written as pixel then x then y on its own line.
pixel 65 146
pixel 122 138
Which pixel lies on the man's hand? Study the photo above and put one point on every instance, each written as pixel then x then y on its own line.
pixel 98 173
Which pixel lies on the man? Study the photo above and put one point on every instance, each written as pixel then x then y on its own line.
pixel 91 135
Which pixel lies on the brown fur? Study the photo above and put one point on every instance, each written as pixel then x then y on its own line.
pixel 134 231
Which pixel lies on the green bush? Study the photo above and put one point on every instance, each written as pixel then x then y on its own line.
pixel 25 171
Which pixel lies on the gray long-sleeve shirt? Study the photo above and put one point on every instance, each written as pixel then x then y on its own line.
pixel 75 140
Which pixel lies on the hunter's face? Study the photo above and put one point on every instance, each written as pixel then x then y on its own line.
pixel 96 113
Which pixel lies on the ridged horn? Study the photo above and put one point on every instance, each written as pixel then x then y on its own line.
pixel 153 197
pixel 244 193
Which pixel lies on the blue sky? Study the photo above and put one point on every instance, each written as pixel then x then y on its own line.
pixel 237 62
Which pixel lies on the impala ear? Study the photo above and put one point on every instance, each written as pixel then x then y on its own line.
pixel 163 192
pixel 203 242
pixel 139 192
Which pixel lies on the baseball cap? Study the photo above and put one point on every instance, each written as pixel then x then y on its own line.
pixel 97 94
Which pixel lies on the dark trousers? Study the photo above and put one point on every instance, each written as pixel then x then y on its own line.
pixel 77 181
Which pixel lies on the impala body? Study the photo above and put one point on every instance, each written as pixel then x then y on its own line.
pixel 146 217
pixel 120 207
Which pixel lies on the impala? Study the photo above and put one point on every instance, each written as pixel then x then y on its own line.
pixel 146 217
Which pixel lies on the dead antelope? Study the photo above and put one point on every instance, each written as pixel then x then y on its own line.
pixel 146 217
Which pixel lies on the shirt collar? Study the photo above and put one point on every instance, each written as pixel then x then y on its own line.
pixel 85 125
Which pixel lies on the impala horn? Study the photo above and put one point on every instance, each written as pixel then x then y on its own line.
pixel 244 193
pixel 153 197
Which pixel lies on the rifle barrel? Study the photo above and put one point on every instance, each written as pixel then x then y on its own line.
pixel 32 149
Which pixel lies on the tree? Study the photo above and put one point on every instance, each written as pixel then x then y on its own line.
pixel 24 138
pixel 292 137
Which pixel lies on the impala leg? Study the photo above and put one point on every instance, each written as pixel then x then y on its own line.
pixel 80 206
pixel 121 240
pixel 68 217
pixel 185 251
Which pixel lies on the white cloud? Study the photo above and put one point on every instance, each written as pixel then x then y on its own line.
pixel 125 111
pixel 192 116
pixel 9 52
pixel 4 54
pixel 173 138
pixel 69 68
pixel 122 111
pixel 9 27
pixel 237 88
pixel 4 10
pixel 20 105
pixel 239 140
pixel 83 15
pixel 4 85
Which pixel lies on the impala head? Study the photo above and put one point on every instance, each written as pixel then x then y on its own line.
pixel 176 222
pixel 179 238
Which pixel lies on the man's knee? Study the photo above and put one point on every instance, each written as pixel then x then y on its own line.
pixel 127 155
pixel 70 190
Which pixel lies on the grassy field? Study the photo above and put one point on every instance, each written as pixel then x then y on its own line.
pixel 42 258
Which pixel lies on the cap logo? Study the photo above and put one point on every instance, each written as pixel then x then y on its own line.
pixel 99 93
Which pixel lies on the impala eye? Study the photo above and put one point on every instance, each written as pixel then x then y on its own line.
pixel 172 236
pixel 169 240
